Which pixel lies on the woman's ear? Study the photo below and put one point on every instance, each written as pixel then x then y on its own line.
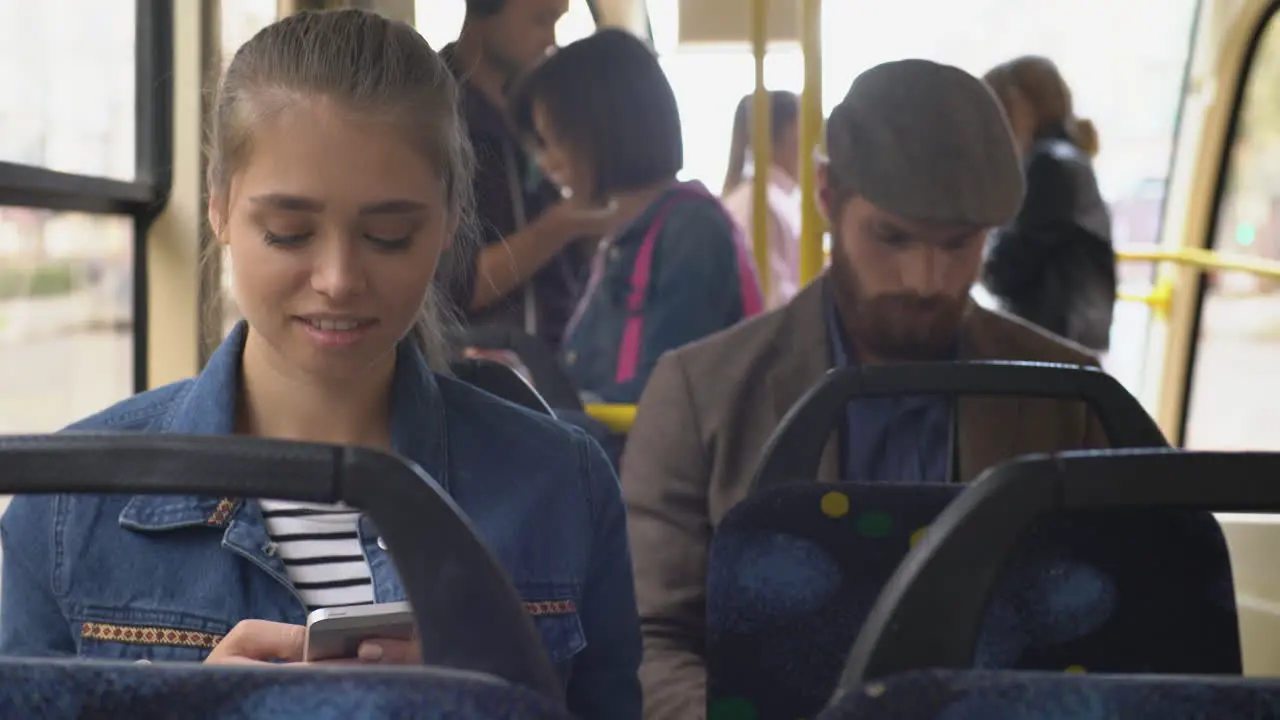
pixel 217 217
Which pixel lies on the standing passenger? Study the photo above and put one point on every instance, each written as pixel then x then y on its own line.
pixel 784 188
pixel 338 172
pixel 527 271
pixel 605 122
pixel 1054 265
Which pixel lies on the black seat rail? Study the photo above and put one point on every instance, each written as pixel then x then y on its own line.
pixel 961 557
pixel 795 449
pixel 468 614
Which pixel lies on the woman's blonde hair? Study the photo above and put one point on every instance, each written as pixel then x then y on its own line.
pixel 369 65
pixel 1038 81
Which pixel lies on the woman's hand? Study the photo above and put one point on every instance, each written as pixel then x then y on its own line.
pixel 259 642
pixel 389 652
pixel 255 642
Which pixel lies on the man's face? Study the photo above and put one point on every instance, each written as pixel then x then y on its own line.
pixel 901 285
pixel 522 32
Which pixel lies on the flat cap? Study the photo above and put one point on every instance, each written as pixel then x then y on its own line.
pixel 928 142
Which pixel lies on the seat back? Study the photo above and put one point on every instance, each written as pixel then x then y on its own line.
pixel 793 572
pixel 68 690
pixel 468 615
pixel 498 379
pixel 1116 564
pixel 949 695
pixel 549 377
pixel 795 449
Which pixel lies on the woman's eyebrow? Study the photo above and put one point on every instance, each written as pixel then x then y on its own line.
pixel 283 201
pixel 393 207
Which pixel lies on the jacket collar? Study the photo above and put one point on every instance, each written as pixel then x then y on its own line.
pixel 208 407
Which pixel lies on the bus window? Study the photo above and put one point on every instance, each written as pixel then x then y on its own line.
pixel 68 75
pixel 66 316
pixel 1237 347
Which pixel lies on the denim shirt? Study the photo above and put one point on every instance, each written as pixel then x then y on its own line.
pixel 696 288
pixel 891 439
pixel 164 577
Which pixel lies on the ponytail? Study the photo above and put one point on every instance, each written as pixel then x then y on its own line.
pixel 738 142
pixel 1085 136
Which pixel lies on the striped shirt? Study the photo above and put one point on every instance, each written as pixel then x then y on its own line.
pixel 320 547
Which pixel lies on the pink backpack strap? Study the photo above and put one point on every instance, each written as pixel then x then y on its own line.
pixel 629 352
pixel 633 331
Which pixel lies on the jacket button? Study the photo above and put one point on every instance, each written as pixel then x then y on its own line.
pixel 571 357
pixel 270 549
pixel 382 544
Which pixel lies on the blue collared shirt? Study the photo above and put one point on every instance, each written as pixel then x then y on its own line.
pixel 890 439
pixel 109 576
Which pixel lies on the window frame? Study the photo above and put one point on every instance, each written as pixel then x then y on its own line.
pixel 1222 173
pixel 143 198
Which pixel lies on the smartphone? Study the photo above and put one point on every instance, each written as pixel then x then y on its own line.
pixel 336 633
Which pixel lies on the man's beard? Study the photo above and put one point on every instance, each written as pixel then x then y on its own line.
pixel 902 327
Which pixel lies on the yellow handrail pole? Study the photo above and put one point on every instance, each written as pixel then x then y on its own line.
pixel 618 418
pixel 761 144
pixel 812 224
pixel 1202 259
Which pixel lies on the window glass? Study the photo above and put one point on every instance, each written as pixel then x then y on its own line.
pixel 1238 345
pixel 240 20
pixel 67 85
pixel 66 316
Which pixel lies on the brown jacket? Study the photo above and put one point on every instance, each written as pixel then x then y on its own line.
pixel 707 413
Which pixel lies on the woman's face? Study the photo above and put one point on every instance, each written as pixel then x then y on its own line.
pixel 335 225
pixel 557 159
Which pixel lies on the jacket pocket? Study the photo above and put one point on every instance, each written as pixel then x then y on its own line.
pixel 557 621
pixel 132 634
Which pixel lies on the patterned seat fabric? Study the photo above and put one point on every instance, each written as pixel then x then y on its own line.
pixel 57 690
pixel 940 695
pixel 1121 591
pixel 794 572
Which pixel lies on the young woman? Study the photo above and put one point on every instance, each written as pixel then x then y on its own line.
pixel 1054 265
pixel 784 188
pixel 603 120
pixel 338 173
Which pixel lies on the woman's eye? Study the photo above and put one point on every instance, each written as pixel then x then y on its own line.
pixel 384 243
pixel 285 240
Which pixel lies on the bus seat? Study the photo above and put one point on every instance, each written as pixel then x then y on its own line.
pixel 63 690
pixel 795 571
pixel 468 615
pixel 549 377
pixel 984 695
pixel 792 574
pixel 498 379
pixel 1124 541
pixel 794 451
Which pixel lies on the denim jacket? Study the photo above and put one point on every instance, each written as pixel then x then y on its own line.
pixel 702 279
pixel 164 577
